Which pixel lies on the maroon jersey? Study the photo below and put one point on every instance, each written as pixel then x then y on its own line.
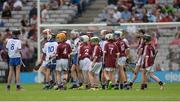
pixel 122 46
pixel 111 50
pixel 97 51
pixel 150 52
pixel 63 50
pixel 85 51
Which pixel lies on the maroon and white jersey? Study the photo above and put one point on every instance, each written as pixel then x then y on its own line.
pixel 85 51
pixel 140 46
pixel 148 54
pixel 97 52
pixel 63 50
pixel 122 46
pixel 110 57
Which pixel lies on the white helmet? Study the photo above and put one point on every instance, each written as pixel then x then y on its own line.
pixel 84 38
pixel 75 32
pixel 102 32
pixel 46 31
pixel 109 36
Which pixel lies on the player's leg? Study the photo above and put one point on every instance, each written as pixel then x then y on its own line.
pixel 137 70
pixel 94 72
pixel 42 72
pixel 58 80
pixel 75 71
pixel 122 74
pixel 65 72
pixel 10 75
pixel 18 87
pixel 143 79
pixel 150 71
pixel 86 79
pixel 91 78
pixel 157 80
pixel 80 73
pixel 58 70
pixel 102 78
pixel 109 77
pixel 122 77
pixel 47 79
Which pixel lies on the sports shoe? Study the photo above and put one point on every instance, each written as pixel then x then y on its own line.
pixel 20 89
pixel 109 85
pixel 46 87
pixel 73 86
pixel 81 87
pixel 162 86
pixel 56 87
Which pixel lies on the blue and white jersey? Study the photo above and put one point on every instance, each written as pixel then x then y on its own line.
pixel 50 49
pixel 13 46
pixel 75 46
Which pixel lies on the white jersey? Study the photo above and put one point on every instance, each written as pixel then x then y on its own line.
pixel 14 47
pixel 50 49
pixel 102 44
pixel 75 45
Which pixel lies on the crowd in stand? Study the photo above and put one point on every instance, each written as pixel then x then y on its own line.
pixel 123 11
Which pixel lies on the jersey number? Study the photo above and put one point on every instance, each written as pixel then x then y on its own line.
pixel 111 50
pixel 12 46
pixel 50 48
pixel 86 51
pixel 65 51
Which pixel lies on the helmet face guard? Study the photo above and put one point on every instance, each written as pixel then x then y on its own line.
pixel 109 36
pixel 84 38
pixel 95 40
pixel 147 38
pixel 16 33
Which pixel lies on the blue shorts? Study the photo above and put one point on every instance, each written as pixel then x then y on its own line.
pixel 51 64
pixel 15 61
pixel 75 59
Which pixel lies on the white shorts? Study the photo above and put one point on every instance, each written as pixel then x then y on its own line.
pixel 96 68
pixel 150 69
pixel 85 64
pixel 122 61
pixel 109 69
pixel 62 65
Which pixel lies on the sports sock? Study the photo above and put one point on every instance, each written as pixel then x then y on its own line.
pixel 160 83
pixel 18 85
pixel 142 86
pixel 145 85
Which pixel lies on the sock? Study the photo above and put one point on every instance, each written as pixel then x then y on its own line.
pixel 160 83
pixel 142 86
pixel 145 85
pixel 125 84
pixel 18 86
pixel 103 86
pixel 121 85
pixel 131 84
pixel 8 86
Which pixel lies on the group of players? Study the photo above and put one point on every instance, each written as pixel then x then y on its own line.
pixel 92 62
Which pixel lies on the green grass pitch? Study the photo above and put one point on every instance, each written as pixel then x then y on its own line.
pixel 34 92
